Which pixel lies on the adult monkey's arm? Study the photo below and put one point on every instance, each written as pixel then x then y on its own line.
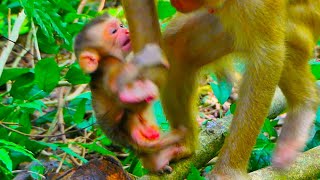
pixel 143 22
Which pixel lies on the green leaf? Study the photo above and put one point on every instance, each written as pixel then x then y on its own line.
pixel 15 147
pixel 12 74
pixel 36 105
pixel 136 168
pixel 94 147
pixel 65 149
pixel 80 111
pixel 37 169
pixel 262 153
pixel 5 111
pixel 315 68
pixel 314 142
pixel 165 9
pixel 194 174
pixel 5 174
pixel 22 86
pixel 36 93
pixel 47 74
pixel 44 26
pixel 76 76
pixel 63 4
pixel 47 45
pixel 5 158
pixel 28 6
pixel 54 147
pixel 222 89
pixel 72 153
pixel 160 116
pixel 268 128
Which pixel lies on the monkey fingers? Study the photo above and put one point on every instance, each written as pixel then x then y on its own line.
pixel 146 136
pixel 158 162
pixel 150 56
pixel 139 91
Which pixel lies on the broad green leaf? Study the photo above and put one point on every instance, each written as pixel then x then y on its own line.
pixel 233 108
pixel 165 9
pixel 22 86
pixel 47 74
pixel 5 158
pixel 37 169
pixel 87 124
pixel 44 27
pixel 160 116
pixel 5 174
pixel 86 95
pixel 76 76
pixel 46 45
pixel 70 17
pixel 74 103
pixel 28 6
pixel 221 88
pixel 15 147
pixel 36 93
pixel 262 153
pixel 36 105
pixel 194 174
pixel 25 123
pixel 80 111
pixel 63 4
pixel 48 117
pixel 314 142
pixel 74 28
pixel 315 68
pixel 59 29
pixel 268 128
pixel 12 74
pixel 5 111
pixel 136 168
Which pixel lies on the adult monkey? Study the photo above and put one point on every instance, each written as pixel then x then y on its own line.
pixel 261 31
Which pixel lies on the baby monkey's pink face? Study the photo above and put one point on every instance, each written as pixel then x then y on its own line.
pixel 118 35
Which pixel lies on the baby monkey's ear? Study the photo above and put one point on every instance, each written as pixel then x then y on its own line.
pixel 89 60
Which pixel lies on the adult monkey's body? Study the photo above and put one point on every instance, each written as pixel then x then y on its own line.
pixel 263 32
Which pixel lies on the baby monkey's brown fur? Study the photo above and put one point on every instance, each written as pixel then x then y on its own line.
pixel 276 38
pixel 122 90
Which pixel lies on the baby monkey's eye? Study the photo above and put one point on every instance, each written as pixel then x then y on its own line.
pixel 121 25
pixel 113 31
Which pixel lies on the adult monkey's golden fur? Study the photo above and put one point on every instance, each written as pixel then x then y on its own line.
pixel 275 37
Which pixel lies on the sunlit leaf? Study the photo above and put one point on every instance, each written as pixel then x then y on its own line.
pixel 165 9
pixel 5 158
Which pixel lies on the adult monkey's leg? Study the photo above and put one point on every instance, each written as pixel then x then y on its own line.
pixel 298 85
pixel 143 22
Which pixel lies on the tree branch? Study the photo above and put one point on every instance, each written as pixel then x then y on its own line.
pixel 211 140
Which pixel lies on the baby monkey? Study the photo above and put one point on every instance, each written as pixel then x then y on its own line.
pixel 122 89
